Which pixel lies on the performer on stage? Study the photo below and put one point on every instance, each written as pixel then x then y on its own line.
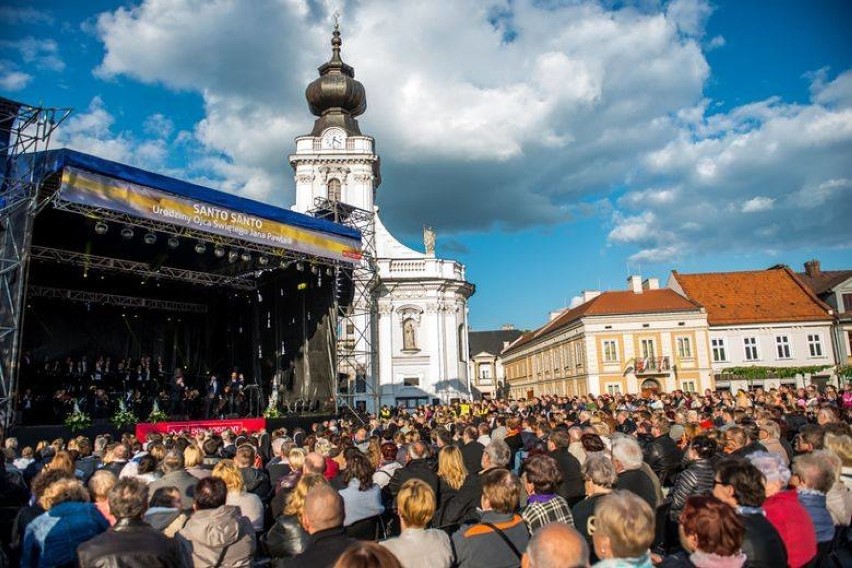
pixel 178 395
pixel 211 403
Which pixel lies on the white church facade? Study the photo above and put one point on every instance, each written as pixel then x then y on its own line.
pixel 421 322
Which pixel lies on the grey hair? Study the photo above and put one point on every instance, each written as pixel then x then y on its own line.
pixel 627 451
pixel 599 470
pixel 541 553
pixel 771 466
pixel 498 453
pixel 815 470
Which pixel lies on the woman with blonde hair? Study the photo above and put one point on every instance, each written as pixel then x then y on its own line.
pixel 456 489
pixel 193 457
pixel 287 537
pixel 249 504
pixel 61 462
pixel 622 531
pixel 417 546
pixel 100 485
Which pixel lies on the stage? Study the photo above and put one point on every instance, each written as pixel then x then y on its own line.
pixel 134 279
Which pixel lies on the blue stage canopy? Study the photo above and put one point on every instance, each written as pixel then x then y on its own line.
pixel 55 161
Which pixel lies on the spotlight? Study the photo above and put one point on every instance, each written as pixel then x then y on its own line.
pixel 219 252
pixel 300 266
pixel 173 242
pixel 313 269
pixel 101 228
pixel 232 256
pixel 286 263
pixel 263 261
pixel 329 271
pixel 200 248
pixel 150 238
pixel 127 233
pixel 245 256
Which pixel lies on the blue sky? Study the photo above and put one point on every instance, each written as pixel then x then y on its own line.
pixel 555 146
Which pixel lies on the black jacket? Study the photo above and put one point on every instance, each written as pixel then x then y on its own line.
pixel 323 550
pixel 472 456
pixel 418 469
pixel 572 488
pixel 286 538
pixel 663 456
pixel 456 505
pixel 636 481
pixel 257 482
pixel 696 479
pixel 131 543
pixel 762 544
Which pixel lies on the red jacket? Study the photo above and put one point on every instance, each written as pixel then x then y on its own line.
pixel 793 523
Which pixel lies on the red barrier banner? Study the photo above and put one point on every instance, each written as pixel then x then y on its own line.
pixel 238 425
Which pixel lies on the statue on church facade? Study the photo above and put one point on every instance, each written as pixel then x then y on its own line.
pixel 429 240
pixel 409 338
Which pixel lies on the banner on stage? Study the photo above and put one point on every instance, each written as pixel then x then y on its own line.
pixel 193 426
pixel 86 188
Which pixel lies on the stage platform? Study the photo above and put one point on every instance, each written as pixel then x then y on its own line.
pixel 31 435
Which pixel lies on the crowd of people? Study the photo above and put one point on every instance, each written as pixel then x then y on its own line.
pixel 758 478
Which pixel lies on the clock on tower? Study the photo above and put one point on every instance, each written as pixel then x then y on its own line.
pixel 332 139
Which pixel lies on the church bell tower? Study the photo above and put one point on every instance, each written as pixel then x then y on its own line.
pixel 335 161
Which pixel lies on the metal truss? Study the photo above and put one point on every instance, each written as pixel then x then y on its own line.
pixel 87 297
pixel 29 129
pixel 92 262
pixel 355 349
pixel 281 255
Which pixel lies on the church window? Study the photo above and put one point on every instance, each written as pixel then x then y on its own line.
pixel 334 190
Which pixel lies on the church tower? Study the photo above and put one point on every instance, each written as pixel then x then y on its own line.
pixel 417 315
pixel 335 161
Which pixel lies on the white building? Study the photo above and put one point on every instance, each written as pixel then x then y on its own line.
pixel 762 318
pixel 834 287
pixel 486 371
pixel 422 324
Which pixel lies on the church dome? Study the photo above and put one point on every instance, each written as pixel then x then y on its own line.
pixel 336 97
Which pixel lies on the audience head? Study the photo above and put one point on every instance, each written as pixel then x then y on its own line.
pixel 501 491
pixel 451 466
pixel 623 526
pixel 599 471
pixel 296 499
pixel 172 461
pixel 556 546
pixel 323 509
pixel 168 497
pixel 63 490
pixel 496 454
pixel 775 472
pixel 703 447
pixel 541 474
pixel 815 471
pixel 626 454
pixel 314 463
pixel 738 483
pixel 415 503
pixel 227 471
pixel 128 499
pixel 100 484
pixel 389 451
pixel 367 555
pixel 192 456
pixel 210 493
pixel 358 467
pixel 711 526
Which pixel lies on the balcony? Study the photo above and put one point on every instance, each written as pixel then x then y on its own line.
pixel 652 365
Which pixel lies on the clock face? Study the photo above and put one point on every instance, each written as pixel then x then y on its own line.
pixel 332 139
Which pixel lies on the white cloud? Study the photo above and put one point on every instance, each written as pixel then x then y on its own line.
pixel 158 125
pixel 13 15
pixel 43 53
pixel 757 204
pixel 11 79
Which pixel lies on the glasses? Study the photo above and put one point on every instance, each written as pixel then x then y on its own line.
pixel 717 482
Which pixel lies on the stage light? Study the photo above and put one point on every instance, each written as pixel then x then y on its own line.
pixel 232 256
pixel 313 269
pixel 245 256
pixel 263 261
pixel 101 228
pixel 219 252
pixel 150 238
pixel 300 266
pixel 200 248
pixel 286 263
pixel 328 271
pixel 127 233
pixel 302 286
pixel 173 242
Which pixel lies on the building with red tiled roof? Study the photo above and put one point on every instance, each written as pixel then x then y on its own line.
pixel 761 318
pixel 627 341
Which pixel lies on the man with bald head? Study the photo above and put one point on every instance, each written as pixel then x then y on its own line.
pixel 323 520
pixel 556 546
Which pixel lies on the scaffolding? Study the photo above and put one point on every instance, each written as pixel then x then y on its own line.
pixel 23 129
pixel 353 347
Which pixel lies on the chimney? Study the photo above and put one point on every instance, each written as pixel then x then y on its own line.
pixel 651 284
pixel 507 327
pixel 634 283
pixel 555 314
pixel 590 294
pixel 812 268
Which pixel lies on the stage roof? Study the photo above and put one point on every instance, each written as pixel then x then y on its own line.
pixel 56 161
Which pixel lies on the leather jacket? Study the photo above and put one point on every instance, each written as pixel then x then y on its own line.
pixel 132 543
pixel 663 456
pixel 286 538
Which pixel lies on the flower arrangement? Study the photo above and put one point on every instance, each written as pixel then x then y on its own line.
pixel 123 417
pixel 157 415
pixel 271 411
pixel 77 420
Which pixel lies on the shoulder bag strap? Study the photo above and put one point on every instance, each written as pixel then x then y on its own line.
pixel 221 556
pixel 505 538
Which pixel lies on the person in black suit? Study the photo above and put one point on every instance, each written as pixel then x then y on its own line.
pixel 471 450
pixel 211 400
pixel 572 488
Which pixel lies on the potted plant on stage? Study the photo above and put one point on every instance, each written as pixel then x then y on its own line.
pixel 271 410
pixel 123 418
pixel 157 415
pixel 77 420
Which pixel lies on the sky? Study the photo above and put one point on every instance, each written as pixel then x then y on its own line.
pixel 555 146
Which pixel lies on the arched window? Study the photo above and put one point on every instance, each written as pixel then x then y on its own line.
pixel 334 189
